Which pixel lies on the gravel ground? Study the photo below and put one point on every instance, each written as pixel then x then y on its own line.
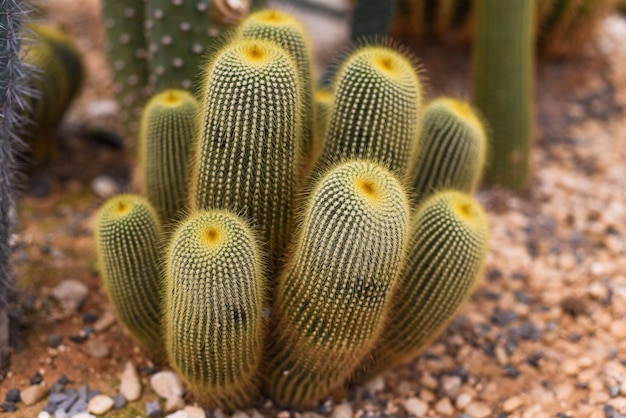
pixel 543 336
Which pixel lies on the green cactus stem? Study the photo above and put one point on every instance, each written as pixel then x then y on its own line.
pixel 288 32
pixel 334 292
pixel 323 102
pixel 448 249
pixel 127 235
pixel 168 129
pixel 128 54
pixel 452 149
pixel 375 113
pixel 246 156
pixel 503 71
pixel 214 297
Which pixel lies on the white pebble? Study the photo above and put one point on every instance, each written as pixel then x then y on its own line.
pixel 463 400
pixel 100 404
pixel 343 410
pixel 375 385
pixel 240 414
pixel 174 403
pixel 416 406
pixel 478 410
pixel 44 414
pixel 167 384
pixel 130 386
pixel 444 407
pixel 33 394
pixel 194 411
pixel 104 186
pixel 178 414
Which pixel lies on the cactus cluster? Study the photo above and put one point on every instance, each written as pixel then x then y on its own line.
pixel 278 280
pixel 159 44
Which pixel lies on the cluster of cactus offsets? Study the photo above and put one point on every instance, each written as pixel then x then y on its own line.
pixel 452 148
pixel 168 128
pixel 503 71
pixel 284 282
pixel 56 80
pixel 155 45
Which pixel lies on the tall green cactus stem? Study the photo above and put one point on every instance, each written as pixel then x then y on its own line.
pixel 178 35
pixel 127 51
pixel 169 127
pixel 376 109
pixel 442 20
pixel 448 249
pixel 333 295
pixel 372 19
pixel 12 94
pixel 246 156
pixel 452 149
pixel 288 32
pixel 504 65
pixel 127 236
pixel 323 101
pixel 215 293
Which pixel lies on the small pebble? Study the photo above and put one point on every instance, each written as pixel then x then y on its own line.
pixel 8 407
pixel 90 317
pixel 100 404
pixel 444 407
pixel 415 406
pixel 511 404
pixel 130 385
pixel 98 348
pixel 83 415
pixel 79 406
pixel 178 414
pixel 450 386
pixel 478 410
pixel 57 398
pixel 343 410
pixel 54 340
pixel 44 414
pixel 570 367
pixel 375 385
pixel 240 414
pixel 463 400
pixel 71 293
pixel 166 384
pixel 60 413
pixel 194 411
pixel 106 320
pixel 83 393
pixel 174 403
pixel 36 379
pixel 79 338
pixel 13 395
pixel 104 187
pixel 153 409
pixel 33 394
pixel 119 401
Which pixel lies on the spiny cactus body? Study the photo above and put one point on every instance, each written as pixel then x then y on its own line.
pixel 332 297
pixel 447 251
pixel 127 245
pixel 504 66
pixel 288 32
pixel 246 156
pixel 452 149
pixel 168 129
pixel 214 296
pixel 375 110
pixel 323 101
pixel 128 56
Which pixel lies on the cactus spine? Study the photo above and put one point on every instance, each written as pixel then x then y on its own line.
pixel 215 291
pixel 168 130
pixel 332 297
pixel 127 244
pixel 448 249
pixel 375 111
pixel 127 50
pixel 504 63
pixel 323 99
pixel 452 149
pixel 246 157
pixel 289 33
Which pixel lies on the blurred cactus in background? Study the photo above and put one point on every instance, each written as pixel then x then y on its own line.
pixel 285 281
pixel 155 45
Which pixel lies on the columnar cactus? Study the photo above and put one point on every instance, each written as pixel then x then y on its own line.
pixel 289 33
pixel 448 249
pixel 12 95
pixel 128 234
pixel 283 283
pixel 214 297
pixel 333 295
pixel 452 149
pixel 168 129
pixel 323 102
pixel 128 56
pixel 503 71
pixel 246 156
pixel 375 113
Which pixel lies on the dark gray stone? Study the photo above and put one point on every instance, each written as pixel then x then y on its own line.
pixel 119 401
pixel 13 395
pixel 78 407
pixel 54 340
pixel 153 409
